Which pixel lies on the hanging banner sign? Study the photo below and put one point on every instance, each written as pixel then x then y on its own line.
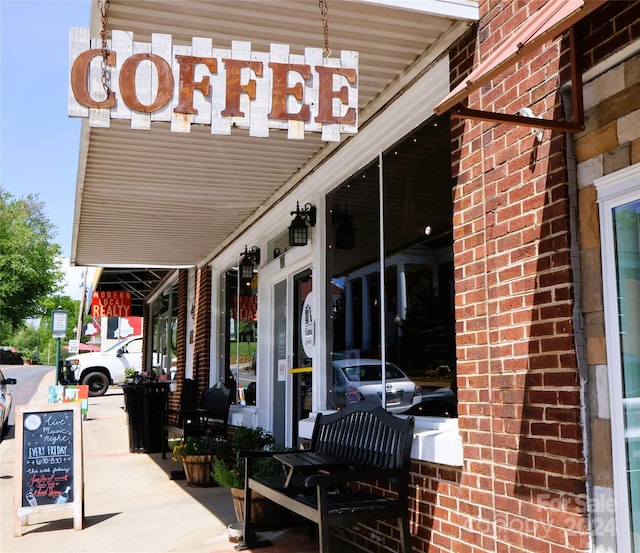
pixel 223 88
pixel 110 304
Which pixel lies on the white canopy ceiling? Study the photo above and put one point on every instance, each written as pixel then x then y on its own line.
pixel 161 199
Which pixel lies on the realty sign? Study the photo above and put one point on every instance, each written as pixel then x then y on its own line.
pixel 219 87
pixel 107 303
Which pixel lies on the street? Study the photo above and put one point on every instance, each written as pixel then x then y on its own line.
pixel 29 378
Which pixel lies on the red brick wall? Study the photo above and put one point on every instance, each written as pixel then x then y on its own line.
pixel 607 30
pixel 202 328
pixel 523 483
pixel 183 313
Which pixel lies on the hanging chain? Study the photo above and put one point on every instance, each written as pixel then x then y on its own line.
pixel 103 6
pixel 324 14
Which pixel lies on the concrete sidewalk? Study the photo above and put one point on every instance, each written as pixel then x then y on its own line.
pixel 131 505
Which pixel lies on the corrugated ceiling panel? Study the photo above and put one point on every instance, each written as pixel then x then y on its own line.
pixel 158 198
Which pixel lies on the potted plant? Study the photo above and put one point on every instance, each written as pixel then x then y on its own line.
pixel 228 469
pixel 197 453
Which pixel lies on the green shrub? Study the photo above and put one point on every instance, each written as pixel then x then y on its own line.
pixel 228 469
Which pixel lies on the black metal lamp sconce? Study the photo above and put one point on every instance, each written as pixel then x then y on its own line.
pixel 299 228
pixel 250 257
pixel 345 231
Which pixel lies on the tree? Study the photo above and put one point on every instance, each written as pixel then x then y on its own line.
pixel 27 341
pixel 29 261
pixel 46 343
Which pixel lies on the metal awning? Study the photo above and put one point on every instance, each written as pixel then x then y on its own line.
pixel 160 199
pixel 141 282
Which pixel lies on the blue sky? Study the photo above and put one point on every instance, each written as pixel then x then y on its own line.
pixel 38 141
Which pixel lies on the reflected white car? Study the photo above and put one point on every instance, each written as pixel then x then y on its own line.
pixel 100 369
pixel 361 380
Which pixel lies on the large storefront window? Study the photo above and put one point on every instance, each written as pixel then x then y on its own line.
pixel 240 336
pixel 407 318
pixel 164 320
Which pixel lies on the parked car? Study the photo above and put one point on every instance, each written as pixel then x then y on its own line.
pixel 10 356
pixel 361 380
pixel 5 401
pixel 437 402
pixel 100 369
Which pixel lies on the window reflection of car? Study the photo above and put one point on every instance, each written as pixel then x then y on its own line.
pixel 437 402
pixel 361 380
pixel 6 399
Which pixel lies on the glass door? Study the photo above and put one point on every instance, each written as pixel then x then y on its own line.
pixel 292 331
pixel 279 361
pixel 303 345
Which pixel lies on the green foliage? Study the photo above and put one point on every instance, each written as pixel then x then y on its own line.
pixel 197 445
pixel 228 469
pixel 251 438
pixel 67 304
pixel 26 341
pixel 229 475
pixel 29 261
pixel 34 340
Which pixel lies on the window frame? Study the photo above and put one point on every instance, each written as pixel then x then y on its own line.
pixel 615 190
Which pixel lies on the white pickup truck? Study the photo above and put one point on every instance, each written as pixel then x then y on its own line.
pixel 100 369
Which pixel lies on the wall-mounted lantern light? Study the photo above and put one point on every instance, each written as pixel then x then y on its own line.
pixel 249 259
pixel 345 231
pixel 299 229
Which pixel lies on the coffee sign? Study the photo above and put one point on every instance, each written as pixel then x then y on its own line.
pixel 222 88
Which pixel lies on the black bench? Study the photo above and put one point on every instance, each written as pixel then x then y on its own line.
pixel 359 444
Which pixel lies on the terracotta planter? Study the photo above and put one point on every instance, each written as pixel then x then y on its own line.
pixel 197 469
pixel 262 509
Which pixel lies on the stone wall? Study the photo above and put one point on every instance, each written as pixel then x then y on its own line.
pixel 610 142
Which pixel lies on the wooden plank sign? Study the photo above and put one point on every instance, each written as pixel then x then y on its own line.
pixel 49 469
pixel 205 85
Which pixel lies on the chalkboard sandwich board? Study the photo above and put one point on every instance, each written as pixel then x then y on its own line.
pixel 49 468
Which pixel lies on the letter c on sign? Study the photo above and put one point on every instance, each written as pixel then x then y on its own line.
pixel 128 82
pixel 79 80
